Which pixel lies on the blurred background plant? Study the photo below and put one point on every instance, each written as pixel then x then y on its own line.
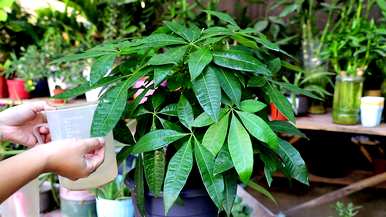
pixel 343 210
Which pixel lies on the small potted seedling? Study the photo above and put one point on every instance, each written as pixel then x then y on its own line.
pixel 113 200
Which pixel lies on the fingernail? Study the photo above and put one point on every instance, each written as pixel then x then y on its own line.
pixel 101 140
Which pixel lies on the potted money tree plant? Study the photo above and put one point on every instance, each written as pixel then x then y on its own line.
pixel 201 113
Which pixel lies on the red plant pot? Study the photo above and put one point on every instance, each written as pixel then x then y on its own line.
pixel 56 92
pixel 16 89
pixel 276 115
pixel 3 87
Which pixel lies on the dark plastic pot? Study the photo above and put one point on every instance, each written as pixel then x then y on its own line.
pixel 41 89
pixel 196 203
pixel 301 104
pixel 17 90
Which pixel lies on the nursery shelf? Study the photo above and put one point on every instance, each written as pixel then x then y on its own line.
pixel 324 123
pixel 353 177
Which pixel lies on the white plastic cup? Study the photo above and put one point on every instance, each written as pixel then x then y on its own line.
pixel 75 123
pixel 371 110
pixel 24 202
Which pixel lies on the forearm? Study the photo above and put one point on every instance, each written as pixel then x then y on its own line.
pixel 18 170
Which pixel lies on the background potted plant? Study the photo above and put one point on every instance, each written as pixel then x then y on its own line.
pixel 113 199
pixel 27 74
pixel 352 44
pixel 202 130
pixel 305 80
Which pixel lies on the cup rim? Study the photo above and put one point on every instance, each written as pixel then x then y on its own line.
pixel 72 107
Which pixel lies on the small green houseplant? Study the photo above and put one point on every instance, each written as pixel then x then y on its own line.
pixel 352 44
pixel 113 199
pixel 202 118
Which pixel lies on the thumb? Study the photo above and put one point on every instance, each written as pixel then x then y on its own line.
pixel 94 153
pixel 93 144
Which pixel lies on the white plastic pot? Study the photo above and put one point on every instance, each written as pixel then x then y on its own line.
pixel 371 111
pixel 115 208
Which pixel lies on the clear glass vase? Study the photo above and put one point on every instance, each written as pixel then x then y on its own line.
pixel 347 99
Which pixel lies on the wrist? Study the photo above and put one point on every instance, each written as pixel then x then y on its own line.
pixel 44 153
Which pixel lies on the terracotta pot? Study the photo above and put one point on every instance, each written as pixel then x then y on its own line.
pixel 17 90
pixel 56 92
pixel 276 115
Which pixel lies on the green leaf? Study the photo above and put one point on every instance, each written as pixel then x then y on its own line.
pixel 83 88
pixel 84 55
pixel 178 172
pixel 159 40
pixel 208 92
pixel 202 120
pixel 223 16
pixel 261 190
pixel 230 191
pixel 257 81
pixel 244 41
pixel 156 139
pixel 223 161
pixel 171 56
pixel 170 110
pixel 274 65
pixel 100 67
pixel 189 34
pixel 259 129
pixel 293 162
pixel 262 39
pixel 240 148
pixel 185 112
pixel 123 154
pixel 296 90
pixel 122 133
pixel 169 125
pixel 271 165
pixel 214 184
pixel 261 25
pixel 109 109
pixel 139 186
pixel 198 60
pixel 286 127
pixel 161 73
pixel 288 9
pixel 154 164
pixel 280 101
pixel 241 61
pixel 230 85
pixel 214 137
pixel 252 106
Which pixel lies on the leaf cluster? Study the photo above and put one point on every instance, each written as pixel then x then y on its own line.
pixel 212 113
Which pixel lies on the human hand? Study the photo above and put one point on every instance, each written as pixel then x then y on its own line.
pixel 73 158
pixel 17 123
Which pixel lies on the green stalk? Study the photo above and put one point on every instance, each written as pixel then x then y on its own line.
pixel 326 28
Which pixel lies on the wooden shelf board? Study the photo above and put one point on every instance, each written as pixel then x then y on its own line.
pixel 355 176
pixel 324 123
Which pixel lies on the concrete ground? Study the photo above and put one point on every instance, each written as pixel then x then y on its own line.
pixel 372 201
